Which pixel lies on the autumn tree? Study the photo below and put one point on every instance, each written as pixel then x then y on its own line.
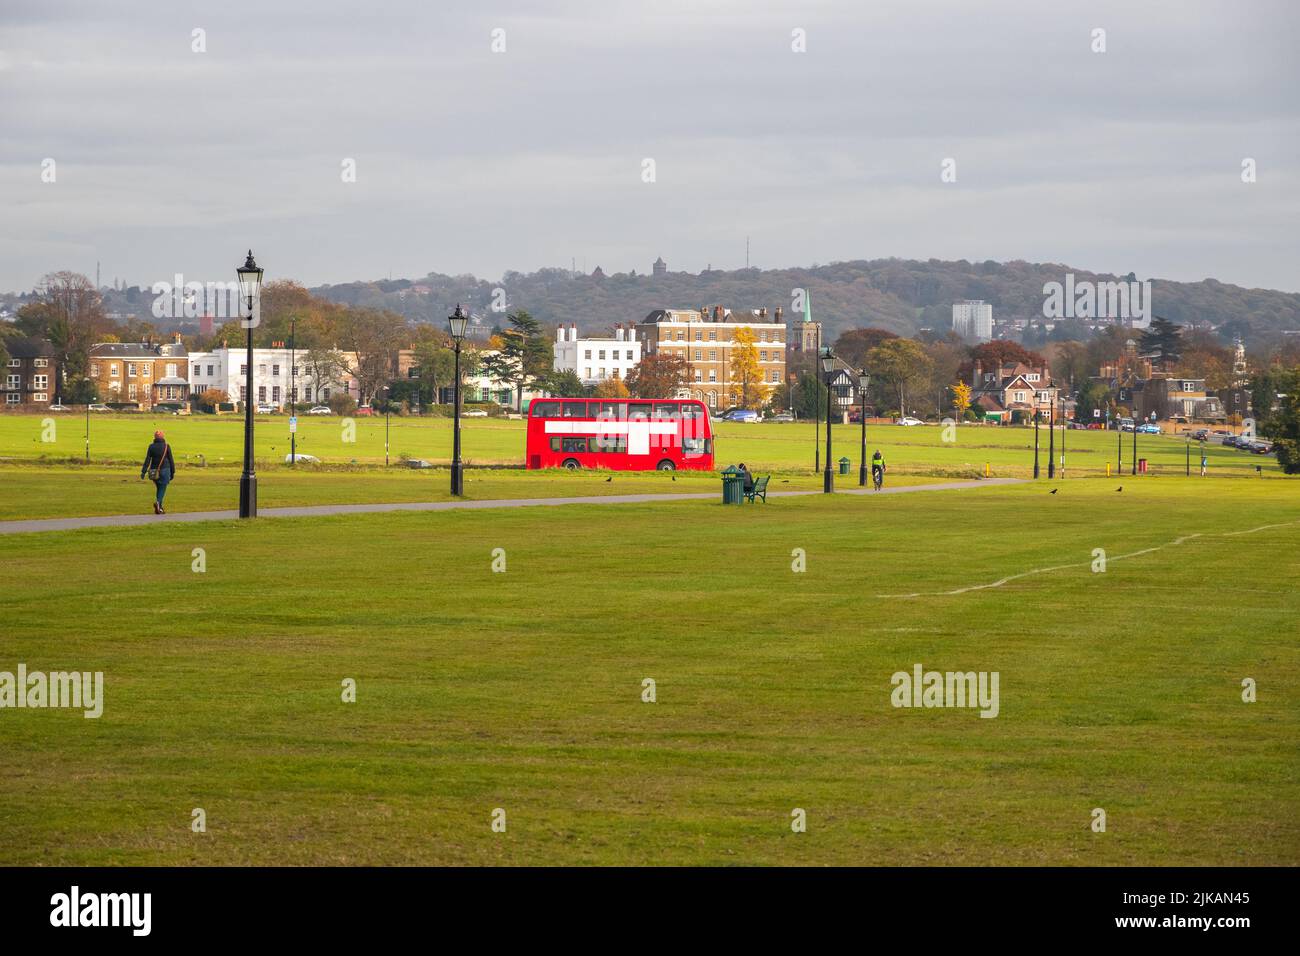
pixel 854 344
pixel 68 313
pixel 899 364
pixel 611 388
pixel 659 375
pixel 960 399
pixel 747 388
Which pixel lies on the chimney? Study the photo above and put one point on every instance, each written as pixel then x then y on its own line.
pixel 618 332
pixel 177 338
pixel 762 313
pixel 717 313
pixel 977 378
pixel 559 334
pixel 573 331
pixel 779 313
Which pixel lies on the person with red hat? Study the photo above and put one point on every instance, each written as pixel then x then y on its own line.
pixel 160 467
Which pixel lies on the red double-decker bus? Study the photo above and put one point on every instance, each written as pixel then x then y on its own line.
pixel 623 434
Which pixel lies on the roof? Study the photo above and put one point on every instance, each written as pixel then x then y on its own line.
pixel 171 380
pixel 29 348
pixel 143 350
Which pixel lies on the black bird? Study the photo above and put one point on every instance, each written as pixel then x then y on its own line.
pixel 609 479
pixel 673 477
pixel 1120 488
pixel 1053 491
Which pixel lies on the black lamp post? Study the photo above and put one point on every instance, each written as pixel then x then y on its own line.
pixel 250 282
pixel 1038 413
pixel 1135 445
pixel 457 322
pixel 828 367
pixel 864 380
pixel 817 412
pixel 1051 438
pixel 1065 427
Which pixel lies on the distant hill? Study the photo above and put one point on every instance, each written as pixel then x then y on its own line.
pixel 902 295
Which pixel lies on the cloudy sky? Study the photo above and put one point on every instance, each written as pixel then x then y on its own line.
pixel 168 160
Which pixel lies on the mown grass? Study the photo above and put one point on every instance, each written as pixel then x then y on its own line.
pixel 522 689
pixel 767 446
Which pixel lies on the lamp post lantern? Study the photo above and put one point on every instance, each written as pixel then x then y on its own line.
pixel 250 283
pixel 1051 439
pixel 293 393
pixel 864 380
pixel 828 367
pixel 456 322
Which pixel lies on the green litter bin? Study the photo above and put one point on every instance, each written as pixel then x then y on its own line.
pixel 844 466
pixel 733 486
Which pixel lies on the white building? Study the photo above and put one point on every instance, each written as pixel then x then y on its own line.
pixel 972 319
pixel 275 372
pixel 596 359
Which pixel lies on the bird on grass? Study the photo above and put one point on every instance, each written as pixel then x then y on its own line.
pixel 1120 488
pixel 1053 491
pixel 673 477
pixel 609 479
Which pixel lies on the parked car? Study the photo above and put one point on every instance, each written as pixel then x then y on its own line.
pixel 320 410
pixel 1201 434
pixel 1230 441
pixel 909 420
pixel 782 417
pixel 100 407
pixel 1148 428
pixel 59 407
pixel 305 459
pixel 265 409
pixel 418 463
pixel 474 413
pixel 741 415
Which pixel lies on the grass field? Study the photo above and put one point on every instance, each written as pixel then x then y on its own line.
pixel 522 690
pixel 768 446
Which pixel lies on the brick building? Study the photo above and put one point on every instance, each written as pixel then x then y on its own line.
pixel 128 371
pixel 31 376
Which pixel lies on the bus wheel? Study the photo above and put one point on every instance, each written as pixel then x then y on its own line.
pixel 666 465
pixel 572 464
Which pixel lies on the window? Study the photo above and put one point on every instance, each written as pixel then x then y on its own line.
pixel 762 355
pixel 325 394
pixel 295 371
pixel 15 363
pixel 130 392
pixel 41 363
pixel 638 411
pixel 1031 377
pixel 40 397
pixel 145 369
pixel 15 381
pixel 545 409
pixel 609 443
pixel 713 355
pixel 275 370
pixel 569 445
pixel 112 370
pixel 130 370
pixel 666 410
pixel 692 446
pixel 171 369
pixel 699 354
pixel 679 335
pixel 11 399
pixel 243 371
pixel 40 381
pixel 713 375
pixel 94 370
pixel 586 353
pixel 698 335
pixel 629 355
pixel 774 376
pixel 275 394
pixel 586 373
pixel 198 370
pixel 611 411
pixel 713 399
pixel 574 410
pixel 601 355
pixel 306 392
pixel 713 335
pixel 243 392
pixel 209 369
pixel 692 411
pixel 699 375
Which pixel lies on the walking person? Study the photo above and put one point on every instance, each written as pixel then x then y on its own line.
pixel 160 466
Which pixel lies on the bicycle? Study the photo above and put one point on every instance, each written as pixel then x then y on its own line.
pixel 877 477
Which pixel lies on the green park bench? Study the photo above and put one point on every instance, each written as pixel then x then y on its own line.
pixel 759 490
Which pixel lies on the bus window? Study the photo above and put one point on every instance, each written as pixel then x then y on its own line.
pixel 693 446
pixel 638 411
pixel 546 409
pixel 575 410
pixel 571 445
pixel 666 410
pixel 609 443
pixel 691 410
pixel 613 411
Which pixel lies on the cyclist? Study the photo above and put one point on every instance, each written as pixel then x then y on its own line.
pixel 877 469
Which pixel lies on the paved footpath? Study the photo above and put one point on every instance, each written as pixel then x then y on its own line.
pixel 128 521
